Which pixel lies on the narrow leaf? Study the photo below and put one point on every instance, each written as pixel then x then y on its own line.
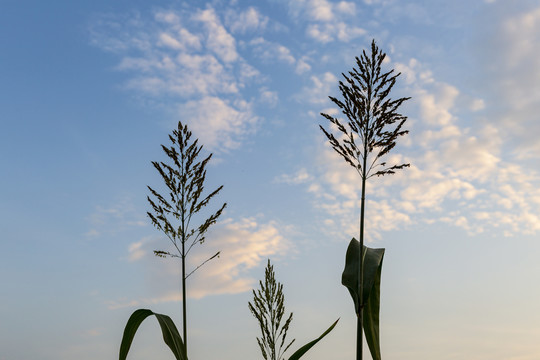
pixel 300 352
pixel 170 333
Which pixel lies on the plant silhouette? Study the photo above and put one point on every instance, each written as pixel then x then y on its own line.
pixel 268 308
pixel 173 213
pixel 370 132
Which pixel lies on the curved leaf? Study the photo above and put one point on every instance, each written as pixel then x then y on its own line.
pixel 371 286
pixel 371 310
pixel 171 336
pixel 304 349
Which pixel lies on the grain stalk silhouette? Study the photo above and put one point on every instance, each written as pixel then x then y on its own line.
pixel 173 213
pixel 268 308
pixel 372 126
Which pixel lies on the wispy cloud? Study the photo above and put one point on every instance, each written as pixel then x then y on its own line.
pixel 459 174
pixel 270 51
pixel 191 59
pixel 115 217
pixel 319 88
pixel 248 20
pixel 511 67
pixel 230 121
pixel 244 244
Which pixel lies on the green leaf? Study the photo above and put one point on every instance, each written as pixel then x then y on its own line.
pixel 300 352
pixel 170 333
pixel 371 286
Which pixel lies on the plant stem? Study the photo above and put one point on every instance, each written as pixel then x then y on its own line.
pixel 184 300
pixel 360 320
pixel 359 339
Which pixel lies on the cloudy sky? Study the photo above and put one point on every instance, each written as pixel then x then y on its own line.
pixel 89 91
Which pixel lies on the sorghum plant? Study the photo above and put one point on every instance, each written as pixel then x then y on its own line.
pixel 173 213
pixel 370 131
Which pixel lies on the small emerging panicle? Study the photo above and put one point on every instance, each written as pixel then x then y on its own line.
pixel 268 308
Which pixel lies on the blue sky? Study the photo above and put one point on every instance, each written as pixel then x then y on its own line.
pixel 89 90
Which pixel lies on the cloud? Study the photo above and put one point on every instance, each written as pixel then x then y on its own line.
pixel 321 10
pixel 219 123
pixel 189 59
pixel 302 66
pixel 269 51
pixel 327 32
pixel 510 64
pixel 244 244
pixel 247 20
pixel 113 218
pixel 327 21
pixel 434 107
pixel 218 38
pixel 319 88
pixel 136 251
pixel 459 174
pixel 299 177
pixel 318 10
pixel 268 96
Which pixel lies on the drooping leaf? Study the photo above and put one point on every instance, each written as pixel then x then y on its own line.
pixel 300 352
pixel 371 289
pixel 372 306
pixel 171 336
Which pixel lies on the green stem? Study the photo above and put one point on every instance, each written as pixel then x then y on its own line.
pixel 184 239
pixel 184 298
pixel 360 320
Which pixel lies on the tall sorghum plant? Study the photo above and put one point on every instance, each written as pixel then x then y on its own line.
pixel 173 213
pixel 369 133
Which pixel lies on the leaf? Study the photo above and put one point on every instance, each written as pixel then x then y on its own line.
pixel 304 349
pixel 170 333
pixel 371 289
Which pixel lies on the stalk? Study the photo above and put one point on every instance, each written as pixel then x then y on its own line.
pixel 184 177
pixel 184 298
pixel 373 117
pixel 360 321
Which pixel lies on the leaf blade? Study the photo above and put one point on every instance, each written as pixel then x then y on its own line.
pixel 300 352
pixel 170 333
pixel 371 287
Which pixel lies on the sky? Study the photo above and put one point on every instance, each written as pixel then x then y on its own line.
pixel 89 90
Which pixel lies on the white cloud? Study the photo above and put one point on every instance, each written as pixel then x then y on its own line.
pixel 135 250
pixel 300 177
pixel 218 123
pixel 434 107
pixel 244 245
pixel 269 97
pixel 458 173
pixel 192 59
pixel 218 39
pixel 302 65
pixel 247 20
pixel 119 216
pixel 329 32
pixel 269 51
pixel 318 10
pixel 477 105
pixel 319 88
pixel 346 7
pixel 512 74
pixel 321 10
